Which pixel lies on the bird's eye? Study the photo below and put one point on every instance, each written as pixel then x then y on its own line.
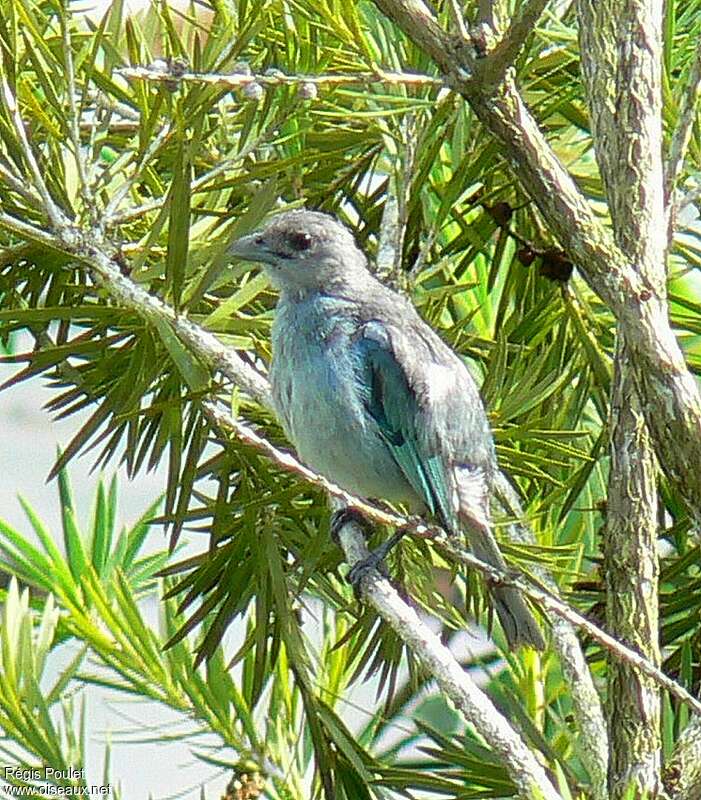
pixel 300 241
pixel 259 240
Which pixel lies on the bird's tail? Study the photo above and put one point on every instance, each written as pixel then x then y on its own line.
pixel 516 618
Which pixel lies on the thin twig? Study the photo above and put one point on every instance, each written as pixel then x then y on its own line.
pixel 130 295
pixel 506 51
pixel 120 193
pixel 200 183
pixel 552 604
pixel 456 17
pixel 388 263
pixel 240 79
pixel 686 199
pixel 522 766
pixel 74 120
pixel 210 349
pixel 673 402
pixel 685 123
pixel 28 231
pixel 108 103
pixel 593 741
pixel 476 707
pixel 53 212
pixel 21 187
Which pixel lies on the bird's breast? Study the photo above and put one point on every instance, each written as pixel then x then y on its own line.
pixel 314 379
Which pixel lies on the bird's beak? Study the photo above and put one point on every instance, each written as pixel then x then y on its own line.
pixel 249 248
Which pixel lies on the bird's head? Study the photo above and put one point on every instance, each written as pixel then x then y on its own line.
pixel 303 251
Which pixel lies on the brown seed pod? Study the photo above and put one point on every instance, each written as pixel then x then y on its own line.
pixel 555 266
pixel 501 213
pixel 526 256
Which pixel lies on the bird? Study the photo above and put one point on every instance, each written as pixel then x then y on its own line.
pixel 371 397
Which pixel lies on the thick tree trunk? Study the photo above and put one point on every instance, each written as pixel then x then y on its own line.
pixel 631 574
pixel 621 47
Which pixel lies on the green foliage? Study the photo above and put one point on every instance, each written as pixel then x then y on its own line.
pixel 256 711
pixel 170 172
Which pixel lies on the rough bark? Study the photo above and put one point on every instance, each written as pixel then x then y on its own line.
pixel 621 46
pixel 682 775
pixel 631 573
pixel 622 73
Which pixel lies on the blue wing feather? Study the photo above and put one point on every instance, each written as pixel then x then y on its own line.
pixel 392 403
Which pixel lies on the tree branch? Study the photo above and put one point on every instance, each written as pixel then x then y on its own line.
pixel 53 212
pixel 239 79
pixel 685 199
pixel 18 185
pixel 593 740
pixel 110 214
pixel 99 256
pixel 390 245
pixel 74 116
pixel 546 599
pixel 682 774
pixel 207 347
pixel 476 708
pixel 673 404
pixel 457 19
pixel 506 51
pixel 683 128
pixel 631 573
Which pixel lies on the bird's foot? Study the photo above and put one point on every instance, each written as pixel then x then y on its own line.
pixel 374 561
pixel 345 515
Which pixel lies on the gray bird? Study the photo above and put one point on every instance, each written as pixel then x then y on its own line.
pixel 371 397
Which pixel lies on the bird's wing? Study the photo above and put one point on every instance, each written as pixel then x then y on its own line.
pixel 428 412
pixel 393 401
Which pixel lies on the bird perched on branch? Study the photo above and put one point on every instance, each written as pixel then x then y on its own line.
pixel 371 397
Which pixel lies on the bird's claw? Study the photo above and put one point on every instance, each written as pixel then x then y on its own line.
pixel 374 561
pixel 342 517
